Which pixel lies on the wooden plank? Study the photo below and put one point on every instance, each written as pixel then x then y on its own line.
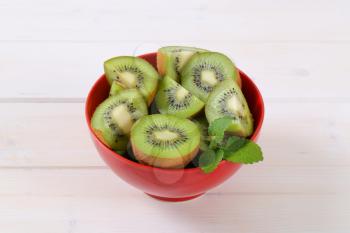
pixel 143 21
pixel 45 134
pixel 257 199
pixel 298 71
pixel 55 135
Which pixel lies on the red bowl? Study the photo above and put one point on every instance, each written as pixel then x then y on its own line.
pixel 166 184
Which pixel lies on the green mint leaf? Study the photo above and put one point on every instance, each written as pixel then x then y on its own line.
pixel 218 126
pixel 234 143
pixel 248 154
pixel 209 160
pixel 217 130
pixel 206 157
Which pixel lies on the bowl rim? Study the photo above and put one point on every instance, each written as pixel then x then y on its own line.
pixel 147 167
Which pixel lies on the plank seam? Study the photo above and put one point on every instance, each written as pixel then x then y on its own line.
pixel 82 100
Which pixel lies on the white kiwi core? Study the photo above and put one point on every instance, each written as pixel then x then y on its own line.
pixel 128 79
pixel 233 105
pixel 122 117
pixel 181 93
pixel 165 135
pixel 209 77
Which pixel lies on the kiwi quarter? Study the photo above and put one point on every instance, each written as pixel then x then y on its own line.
pixel 171 59
pixel 173 99
pixel 165 141
pixel 133 72
pixel 114 117
pixel 227 99
pixel 204 71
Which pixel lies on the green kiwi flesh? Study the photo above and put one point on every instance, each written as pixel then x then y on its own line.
pixel 116 87
pixel 133 72
pixel 202 124
pixel 173 99
pixel 114 117
pixel 204 71
pixel 227 99
pixel 165 141
pixel 171 59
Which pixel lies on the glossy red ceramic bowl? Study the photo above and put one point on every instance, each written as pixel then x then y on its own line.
pixel 166 184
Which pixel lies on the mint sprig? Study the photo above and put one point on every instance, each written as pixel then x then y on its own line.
pixel 209 160
pixel 231 148
pixel 217 130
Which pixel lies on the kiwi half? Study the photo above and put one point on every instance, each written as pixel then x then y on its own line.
pixel 204 71
pixel 171 59
pixel 133 72
pixel 165 141
pixel 227 99
pixel 114 117
pixel 173 99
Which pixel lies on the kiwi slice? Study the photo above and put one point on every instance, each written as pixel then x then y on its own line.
pixel 114 117
pixel 171 59
pixel 227 99
pixel 165 141
pixel 173 99
pixel 204 71
pixel 116 87
pixel 133 72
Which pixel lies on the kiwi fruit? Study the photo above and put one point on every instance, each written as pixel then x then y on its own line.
pixel 114 117
pixel 171 59
pixel 116 87
pixel 165 141
pixel 202 124
pixel 133 72
pixel 173 99
pixel 227 99
pixel 204 71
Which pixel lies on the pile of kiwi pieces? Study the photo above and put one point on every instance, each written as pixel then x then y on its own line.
pixel 159 118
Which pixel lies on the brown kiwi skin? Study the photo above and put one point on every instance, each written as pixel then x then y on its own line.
pixel 167 163
pixel 239 79
pixel 174 163
pixel 151 97
pixel 161 59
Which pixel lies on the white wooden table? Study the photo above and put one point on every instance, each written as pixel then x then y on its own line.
pixel 51 178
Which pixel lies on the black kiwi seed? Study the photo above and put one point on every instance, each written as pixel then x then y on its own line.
pixel 152 140
pixel 193 75
pixel 174 99
pixel 131 69
pixel 174 103
pixel 222 101
pixel 177 65
pixel 107 115
pixel 197 72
